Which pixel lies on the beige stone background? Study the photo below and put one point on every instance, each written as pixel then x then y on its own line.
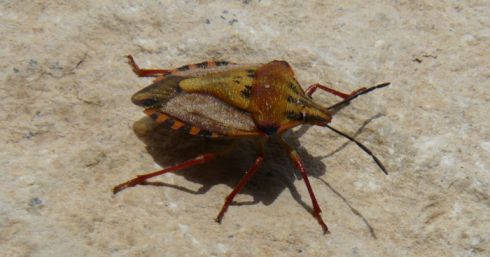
pixel 67 130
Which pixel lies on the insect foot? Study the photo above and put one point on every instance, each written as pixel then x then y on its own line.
pixel 322 224
pixel 131 183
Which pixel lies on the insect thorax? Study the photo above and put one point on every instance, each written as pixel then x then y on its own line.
pixel 279 102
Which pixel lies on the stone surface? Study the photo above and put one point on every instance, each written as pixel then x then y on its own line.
pixel 68 130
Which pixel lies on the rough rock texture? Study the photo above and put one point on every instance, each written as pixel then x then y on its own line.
pixel 68 130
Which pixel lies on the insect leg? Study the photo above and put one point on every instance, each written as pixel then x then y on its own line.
pixel 203 158
pixel 299 165
pixel 311 89
pixel 243 181
pixel 145 72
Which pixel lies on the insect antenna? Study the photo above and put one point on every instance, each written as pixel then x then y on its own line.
pixel 363 147
pixel 338 106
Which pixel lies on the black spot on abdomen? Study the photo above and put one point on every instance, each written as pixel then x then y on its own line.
pixel 222 63
pixel 184 68
pixel 202 65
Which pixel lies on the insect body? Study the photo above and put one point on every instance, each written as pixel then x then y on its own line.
pixel 222 99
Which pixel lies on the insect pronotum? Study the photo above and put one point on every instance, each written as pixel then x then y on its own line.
pixel 223 99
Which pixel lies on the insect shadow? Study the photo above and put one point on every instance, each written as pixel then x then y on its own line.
pixel 310 162
pixel 169 147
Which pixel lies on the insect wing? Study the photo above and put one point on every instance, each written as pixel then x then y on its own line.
pixel 205 114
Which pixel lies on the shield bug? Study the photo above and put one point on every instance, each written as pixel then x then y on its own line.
pixel 223 99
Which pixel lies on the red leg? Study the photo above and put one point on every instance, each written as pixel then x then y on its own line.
pixel 311 89
pixel 250 172
pixel 146 72
pixel 142 178
pixel 203 158
pixel 299 165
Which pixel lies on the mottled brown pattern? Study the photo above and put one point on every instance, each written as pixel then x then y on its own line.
pixel 209 113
